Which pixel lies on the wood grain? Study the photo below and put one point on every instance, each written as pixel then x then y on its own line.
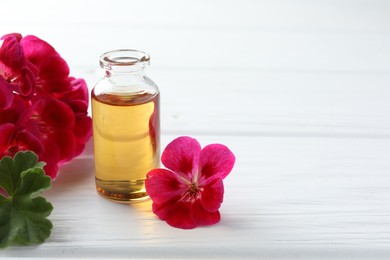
pixel 298 90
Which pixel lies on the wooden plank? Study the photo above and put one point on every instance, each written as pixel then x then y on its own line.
pixel 299 90
pixel 286 197
pixel 271 103
pixel 210 49
pixel 281 35
pixel 306 15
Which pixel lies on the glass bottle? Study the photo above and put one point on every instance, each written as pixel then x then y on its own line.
pixel 126 126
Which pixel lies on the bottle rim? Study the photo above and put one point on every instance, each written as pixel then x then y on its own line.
pixel 124 57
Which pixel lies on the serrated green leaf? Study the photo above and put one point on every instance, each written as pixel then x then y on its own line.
pixel 25 160
pixel 11 169
pixel 33 183
pixel 29 224
pixel 23 215
pixel 5 223
pixel 8 176
pixel 40 165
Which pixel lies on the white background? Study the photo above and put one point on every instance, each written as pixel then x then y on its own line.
pixel 299 91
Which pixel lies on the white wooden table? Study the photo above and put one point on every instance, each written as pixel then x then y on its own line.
pixel 298 90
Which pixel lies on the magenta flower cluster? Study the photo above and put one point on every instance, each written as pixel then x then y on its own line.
pixel 42 108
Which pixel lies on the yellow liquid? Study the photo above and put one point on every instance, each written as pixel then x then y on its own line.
pixel 126 131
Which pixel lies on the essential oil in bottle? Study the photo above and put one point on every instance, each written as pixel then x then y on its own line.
pixel 126 126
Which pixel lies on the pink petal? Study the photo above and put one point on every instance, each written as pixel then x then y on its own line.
pixel 44 57
pixel 18 141
pixel 179 215
pixel 27 81
pixel 27 141
pixel 162 185
pixel 51 169
pixel 202 216
pixel 78 106
pixel 55 122
pixel 162 210
pixel 79 90
pixel 65 141
pixel 76 96
pixel 51 156
pixel 182 156
pixel 216 161
pixel 51 114
pixel 18 36
pixel 7 131
pixel 212 195
pixel 52 70
pixel 12 113
pixel 14 67
pixel 82 132
pixel 11 54
pixel 56 114
pixel 6 96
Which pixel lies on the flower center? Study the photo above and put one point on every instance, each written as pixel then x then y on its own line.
pixel 193 188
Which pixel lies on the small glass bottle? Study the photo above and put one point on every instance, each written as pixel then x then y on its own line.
pixel 126 126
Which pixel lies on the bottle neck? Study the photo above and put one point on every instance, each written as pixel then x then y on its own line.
pixel 124 62
pixel 124 72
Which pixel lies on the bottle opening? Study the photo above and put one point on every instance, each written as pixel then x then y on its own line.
pixel 124 57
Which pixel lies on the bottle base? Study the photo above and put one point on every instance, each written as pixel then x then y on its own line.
pixel 122 191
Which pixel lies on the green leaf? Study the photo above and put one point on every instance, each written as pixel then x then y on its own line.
pixel 24 212
pixel 10 170
pixel 33 183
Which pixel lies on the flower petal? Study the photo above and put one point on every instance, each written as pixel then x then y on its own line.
pixel 6 96
pixel 202 216
pixel 212 195
pixel 43 55
pixel 77 93
pixel 82 132
pixel 65 141
pixel 12 113
pixel 182 156
pixel 27 141
pixel 6 131
pixel 55 122
pixel 14 67
pixel 46 107
pixel 50 156
pixel 18 36
pixel 179 215
pixel 50 68
pixel 162 210
pixel 162 185
pixel 216 161
pixel 51 114
pixel 13 142
pixel 11 54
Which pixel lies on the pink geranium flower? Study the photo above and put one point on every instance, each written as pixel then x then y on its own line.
pixel 42 108
pixel 190 192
